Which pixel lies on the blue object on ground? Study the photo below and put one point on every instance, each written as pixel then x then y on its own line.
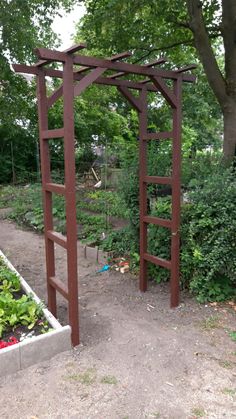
pixel 104 268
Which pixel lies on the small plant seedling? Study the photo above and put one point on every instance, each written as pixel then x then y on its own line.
pixel 109 379
pixel 233 335
pixel 225 364
pixel 229 391
pixel 212 322
pixel 198 412
pixel 87 378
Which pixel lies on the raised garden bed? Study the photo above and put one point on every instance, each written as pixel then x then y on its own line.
pixel 29 333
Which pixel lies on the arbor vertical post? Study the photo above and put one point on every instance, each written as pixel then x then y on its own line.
pixel 47 195
pixel 70 197
pixel 176 195
pixel 143 189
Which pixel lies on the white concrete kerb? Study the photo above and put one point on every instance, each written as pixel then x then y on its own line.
pixel 38 348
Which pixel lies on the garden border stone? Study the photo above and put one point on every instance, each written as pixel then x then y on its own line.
pixel 38 348
pixel 95 254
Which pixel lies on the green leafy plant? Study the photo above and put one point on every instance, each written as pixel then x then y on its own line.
pixel 15 311
pixel 9 281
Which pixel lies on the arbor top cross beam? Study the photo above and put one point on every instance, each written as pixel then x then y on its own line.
pixel 47 56
pixel 79 72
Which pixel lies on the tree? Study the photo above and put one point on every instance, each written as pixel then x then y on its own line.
pixel 223 85
pixel 179 29
pixel 24 24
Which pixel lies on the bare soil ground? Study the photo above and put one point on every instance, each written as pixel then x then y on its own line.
pixel 138 358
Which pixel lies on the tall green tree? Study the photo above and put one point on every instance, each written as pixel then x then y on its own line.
pixel 184 30
pixel 24 24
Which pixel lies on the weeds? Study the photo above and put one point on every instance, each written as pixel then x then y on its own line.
pixel 198 412
pixel 212 322
pixel 229 391
pixel 109 379
pixel 226 364
pixel 87 378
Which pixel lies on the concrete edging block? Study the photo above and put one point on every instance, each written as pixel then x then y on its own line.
pixel 44 347
pixel 9 360
pixel 96 254
pixel 38 348
pixel 91 253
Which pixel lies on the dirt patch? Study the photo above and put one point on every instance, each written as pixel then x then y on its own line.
pixel 138 358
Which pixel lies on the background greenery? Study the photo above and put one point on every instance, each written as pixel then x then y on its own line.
pixel 103 118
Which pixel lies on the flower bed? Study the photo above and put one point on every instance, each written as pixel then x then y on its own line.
pixel 29 333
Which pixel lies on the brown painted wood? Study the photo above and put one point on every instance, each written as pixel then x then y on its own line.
pixel 55 187
pixel 165 90
pixel 162 180
pixel 158 135
pixel 58 238
pixel 53 133
pixel 58 285
pixel 176 194
pixel 158 221
pixel 143 190
pixel 47 195
pixel 70 198
pixel 86 61
pixel 157 261
pixel 96 68
pixel 134 101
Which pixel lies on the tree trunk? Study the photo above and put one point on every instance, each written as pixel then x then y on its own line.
pixel 229 145
pixel 224 87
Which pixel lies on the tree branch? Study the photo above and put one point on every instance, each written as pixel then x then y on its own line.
pixel 166 47
pixel 205 51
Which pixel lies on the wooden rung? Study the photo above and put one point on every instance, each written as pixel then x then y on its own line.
pixel 57 238
pixel 59 286
pixel 158 135
pixel 157 261
pixel 162 180
pixel 53 133
pixel 158 221
pixel 56 188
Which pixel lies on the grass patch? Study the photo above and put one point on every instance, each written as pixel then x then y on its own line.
pixel 226 364
pixel 233 335
pixel 229 391
pixel 198 412
pixel 109 379
pixel 212 322
pixel 87 378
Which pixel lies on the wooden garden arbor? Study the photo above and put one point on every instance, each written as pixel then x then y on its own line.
pixel 80 71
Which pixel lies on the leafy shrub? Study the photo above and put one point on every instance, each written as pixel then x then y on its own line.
pixel 208 238
pixel 159 240
pixel 106 202
pixel 120 242
pixel 129 192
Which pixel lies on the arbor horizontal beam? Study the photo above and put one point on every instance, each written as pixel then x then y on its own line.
pixel 85 61
pixel 50 72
